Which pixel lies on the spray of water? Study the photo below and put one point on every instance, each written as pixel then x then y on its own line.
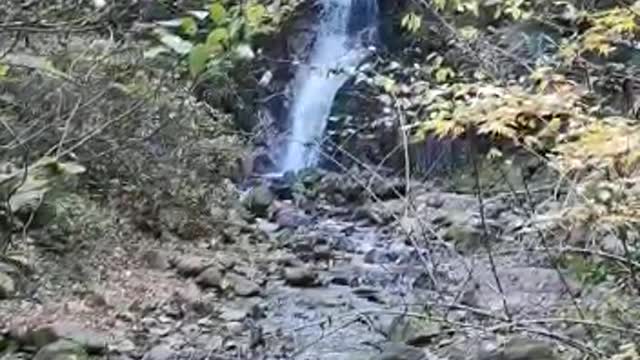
pixel 339 48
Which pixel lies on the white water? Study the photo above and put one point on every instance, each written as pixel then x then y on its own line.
pixel 338 50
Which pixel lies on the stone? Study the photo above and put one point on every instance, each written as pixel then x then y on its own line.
pixel 92 341
pixel 62 350
pixel 160 352
pixel 189 265
pixel 258 200
pixel 612 244
pixel 402 352
pixel 412 330
pixel 156 260
pixel 124 346
pixel 7 286
pixel 465 238
pixel 235 327
pixel 288 217
pixel 210 278
pixel 218 213
pixel 521 349
pixel 233 314
pixel 300 277
pixel 243 286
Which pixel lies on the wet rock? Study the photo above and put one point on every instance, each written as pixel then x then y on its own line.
pixel 62 350
pixel 90 340
pixel 160 352
pixel 521 349
pixel 156 260
pixel 210 278
pixel 7 286
pixel 300 277
pixel 258 200
pixel 191 265
pixel 243 286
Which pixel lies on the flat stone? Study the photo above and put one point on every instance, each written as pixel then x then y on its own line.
pixel 62 350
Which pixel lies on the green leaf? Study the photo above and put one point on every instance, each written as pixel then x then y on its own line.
pixel 218 36
pixel 255 15
pixel 188 26
pixel 198 58
pixel 217 12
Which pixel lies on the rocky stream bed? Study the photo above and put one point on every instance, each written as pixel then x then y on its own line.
pixel 324 276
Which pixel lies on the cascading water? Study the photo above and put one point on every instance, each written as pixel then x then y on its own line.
pixel 343 32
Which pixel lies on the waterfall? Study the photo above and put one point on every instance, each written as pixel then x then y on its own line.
pixel 343 33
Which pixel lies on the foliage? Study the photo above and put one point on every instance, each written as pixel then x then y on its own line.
pixel 225 33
